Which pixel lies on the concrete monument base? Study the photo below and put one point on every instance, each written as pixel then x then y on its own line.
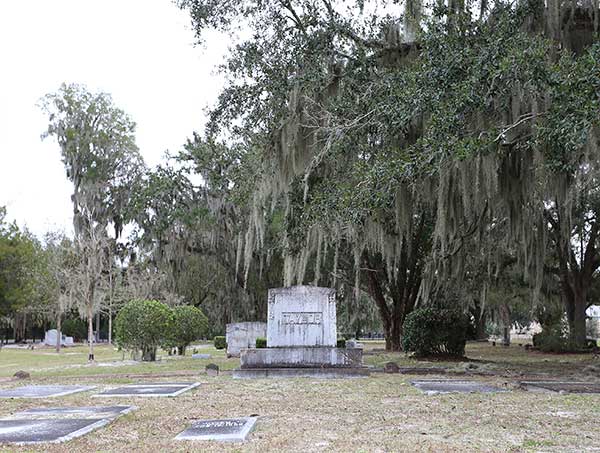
pixel 301 357
pixel 319 373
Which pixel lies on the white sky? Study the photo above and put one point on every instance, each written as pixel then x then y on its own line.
pixel 139 51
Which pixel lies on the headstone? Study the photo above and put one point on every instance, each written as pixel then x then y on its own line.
pixel 43 391
pixel 232 430
pixel 241 335
pixel 391 367
pixel 201 356
pixel 22 375
pixel 158 389
pixel 212 369
pixel 51 337
pixel 354 344
pixel 435 386
pixel 301 316
pixel 301 336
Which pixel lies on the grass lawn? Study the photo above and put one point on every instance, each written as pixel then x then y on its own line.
pixel 377 414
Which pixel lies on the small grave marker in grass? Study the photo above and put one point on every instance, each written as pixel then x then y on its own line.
pixel 43 391
pixel 156 389
pixel 567 387
pixel 434 386
pixel 231 430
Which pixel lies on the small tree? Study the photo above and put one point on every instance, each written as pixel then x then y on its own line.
pixel 142 325
pixel 189 324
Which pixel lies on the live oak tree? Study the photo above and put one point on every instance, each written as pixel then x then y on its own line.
pixel 102 161
pixel 363 122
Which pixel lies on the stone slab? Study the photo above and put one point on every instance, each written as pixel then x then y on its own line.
pixel 318 373
pixel 435 386
pixel 241 335
pixel 159 389
pixel 301 316
pixel 557 386
pixel 301 357
pixel 56 424
pixel 43 391
pixel 228 430
pixel 201 356
pixel 74 412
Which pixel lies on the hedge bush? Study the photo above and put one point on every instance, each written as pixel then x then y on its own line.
pixel 554 338
pixel 220 342
pixel 436 331
pixel 189 324
pixel 341 343
pixel 261 342
pixel 142 325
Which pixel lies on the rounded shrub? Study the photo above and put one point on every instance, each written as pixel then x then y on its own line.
pixel 436 331
pixel 341 343
pixel 142 325
pixel 261 342
pixel 189 324
pixel 220 342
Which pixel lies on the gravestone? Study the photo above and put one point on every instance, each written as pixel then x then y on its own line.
pixel 158 389
pixel 435 386
pixel 301 334
pixel 56 424
pixel 212 369
pixel 43 391
pixel 561 386
pixel 232 430
pixel 241 335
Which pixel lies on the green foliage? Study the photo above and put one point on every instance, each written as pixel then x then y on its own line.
pixel 220 342
pixel 261 342
pixel 74 327
pixel 142 325
pixel 434 331
pixel 555 338
pixel 341 343
pixel 189 324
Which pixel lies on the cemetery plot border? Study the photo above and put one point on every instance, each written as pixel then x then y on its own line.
pixel 561 386
pixel 156 389
pixel 44 391
pixel 443 386
pixel 224 430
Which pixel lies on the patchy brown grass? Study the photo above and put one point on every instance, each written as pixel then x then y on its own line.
pixel 383 413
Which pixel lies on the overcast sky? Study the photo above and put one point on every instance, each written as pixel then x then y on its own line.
pixel 139 51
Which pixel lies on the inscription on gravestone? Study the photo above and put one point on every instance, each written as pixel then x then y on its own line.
pixel 233 429
pixel 302 318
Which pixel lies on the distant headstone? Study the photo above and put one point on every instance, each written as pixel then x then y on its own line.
pixel 22 375
pixel 232 429
pixel 212 369
pixel 51 337
pixel 391 367
pixel 201 356
pixel 241 335
pixel 352 344
pixel 301 316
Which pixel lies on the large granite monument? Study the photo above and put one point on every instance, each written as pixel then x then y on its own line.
pixel 302 335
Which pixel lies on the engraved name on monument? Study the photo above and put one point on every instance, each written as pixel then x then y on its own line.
pixel 301 316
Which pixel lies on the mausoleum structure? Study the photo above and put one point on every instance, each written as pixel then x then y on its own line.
pixel 301 334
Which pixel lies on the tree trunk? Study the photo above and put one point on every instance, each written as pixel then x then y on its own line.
pixel 149 354
pixel 109 325
pixel 577 328
pixel 97 327
pixel 58 332
pixel 90 317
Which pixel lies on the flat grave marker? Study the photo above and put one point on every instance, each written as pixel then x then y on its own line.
pixel 56 424
pixel 435 386
pixel 557 386
pixel 43 391
pixel 158 389
pixel 225 430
